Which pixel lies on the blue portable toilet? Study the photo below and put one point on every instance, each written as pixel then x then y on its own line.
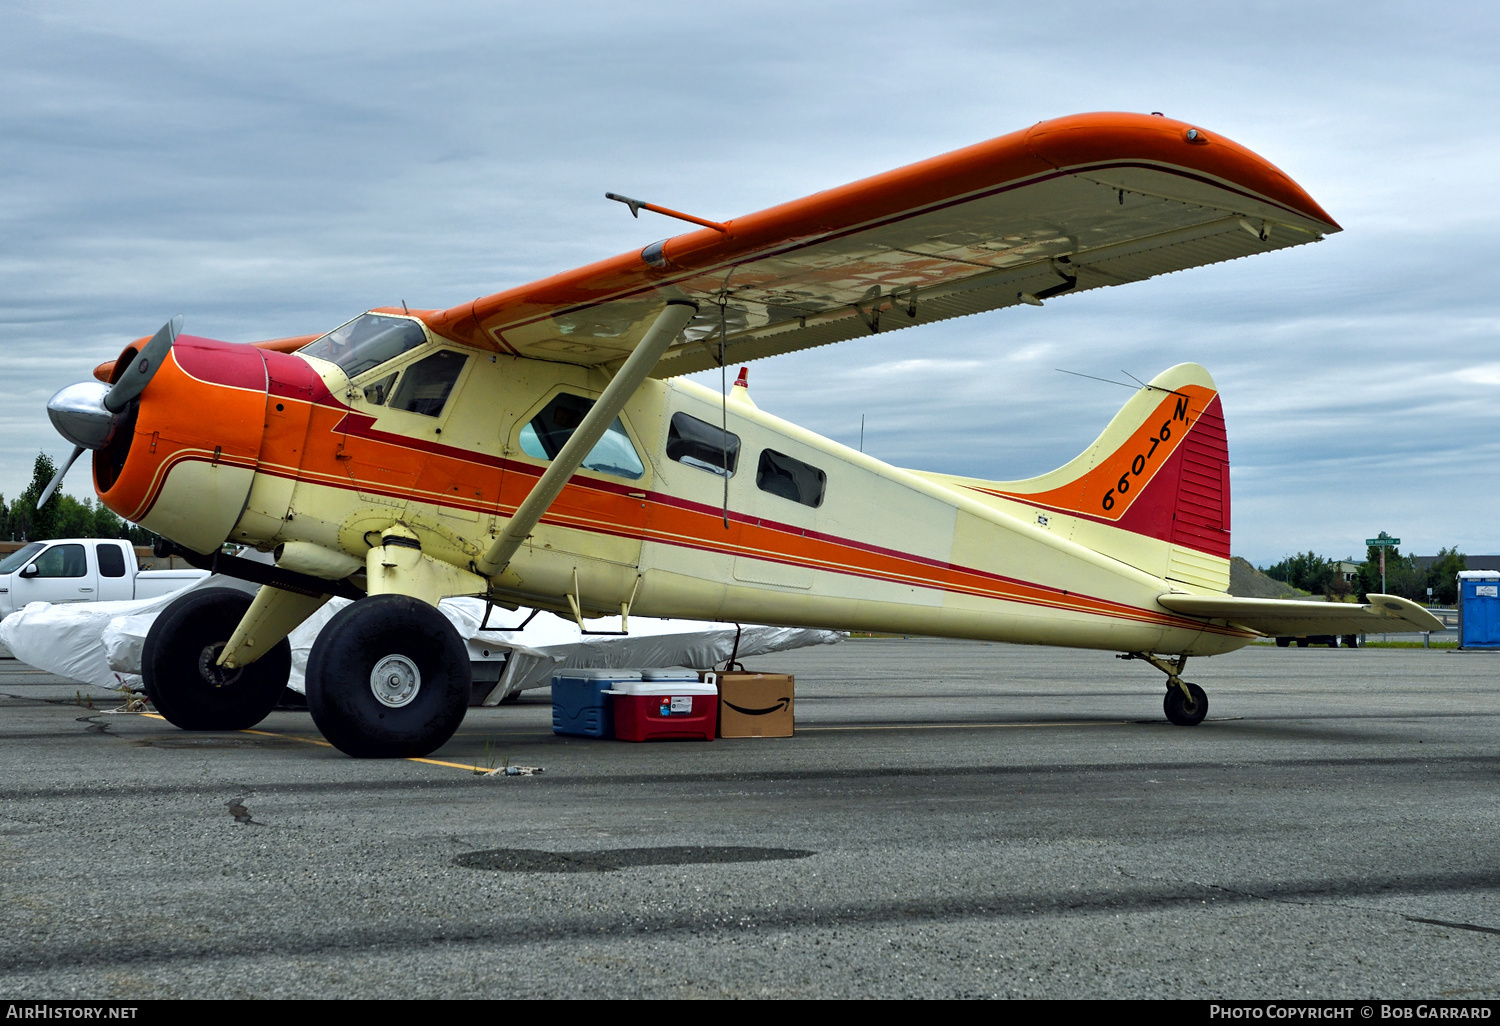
pixel 1479 609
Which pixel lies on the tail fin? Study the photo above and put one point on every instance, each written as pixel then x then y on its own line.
pixel 1153 489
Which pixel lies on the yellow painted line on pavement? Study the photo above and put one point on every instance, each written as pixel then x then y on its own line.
pixel 970 726
pixel 325 744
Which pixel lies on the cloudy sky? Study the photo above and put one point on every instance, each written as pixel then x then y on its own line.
pixel 274 168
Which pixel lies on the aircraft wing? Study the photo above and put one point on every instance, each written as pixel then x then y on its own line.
pixel 1291 617
pixel 1065 206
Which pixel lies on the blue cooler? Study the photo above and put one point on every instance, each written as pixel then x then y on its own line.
pixel 579 704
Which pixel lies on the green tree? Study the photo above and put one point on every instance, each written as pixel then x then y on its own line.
pixel 1442 575
pixel 28 522
pixel 75 519
pixel 1305 570
pixel 63 516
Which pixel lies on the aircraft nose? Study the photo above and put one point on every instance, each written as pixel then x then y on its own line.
pixel 79 414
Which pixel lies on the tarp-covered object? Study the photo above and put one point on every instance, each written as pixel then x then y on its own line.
pixel 69 639
pixel 100 643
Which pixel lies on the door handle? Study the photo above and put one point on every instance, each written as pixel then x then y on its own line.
pixel 85 589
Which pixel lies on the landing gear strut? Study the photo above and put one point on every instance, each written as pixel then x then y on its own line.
pixel 1185 704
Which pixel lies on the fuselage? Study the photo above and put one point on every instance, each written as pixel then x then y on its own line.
pixel 233 442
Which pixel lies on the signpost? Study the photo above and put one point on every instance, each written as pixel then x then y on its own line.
pixel 1382 543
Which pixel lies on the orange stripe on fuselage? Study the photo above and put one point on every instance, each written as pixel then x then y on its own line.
pixel 401 467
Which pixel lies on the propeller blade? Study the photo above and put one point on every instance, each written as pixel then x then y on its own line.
pixel 152 355
pixel 57 477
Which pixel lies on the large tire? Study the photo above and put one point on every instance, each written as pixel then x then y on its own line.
pixel 1178 710
pixel 177 665
pixel 388 677
pixel 1283 642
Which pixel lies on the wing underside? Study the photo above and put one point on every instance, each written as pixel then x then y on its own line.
pixel 1289 617
pixel 1020 219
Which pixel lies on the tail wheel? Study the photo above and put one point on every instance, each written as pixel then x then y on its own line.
pixel 1183 712
pixel 179 665
pixel 388 677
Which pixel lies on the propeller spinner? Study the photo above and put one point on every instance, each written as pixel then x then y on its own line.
pixel 88 413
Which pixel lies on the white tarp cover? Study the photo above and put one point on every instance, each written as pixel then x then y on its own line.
pixel 100 643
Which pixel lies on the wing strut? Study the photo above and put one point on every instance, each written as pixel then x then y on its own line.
pixel 669 324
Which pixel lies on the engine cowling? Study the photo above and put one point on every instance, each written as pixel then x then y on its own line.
pixel 184 459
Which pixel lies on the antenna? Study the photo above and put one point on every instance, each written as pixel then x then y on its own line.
pixel 861 432
pixel 1124 384
pixel 636 206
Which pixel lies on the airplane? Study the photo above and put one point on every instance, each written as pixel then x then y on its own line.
pixel 540 446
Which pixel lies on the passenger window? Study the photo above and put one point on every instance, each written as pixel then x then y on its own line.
pixel 700 444
pixel 547 432
pixel 425 386
pixel 62 561
pixel 377 391
pixel 790 478
pixel 111 561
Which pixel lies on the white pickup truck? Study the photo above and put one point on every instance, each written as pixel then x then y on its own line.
pixel 82 570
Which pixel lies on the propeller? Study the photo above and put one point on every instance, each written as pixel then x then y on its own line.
pixel 87 413
pixel 140 372
pixel 57 477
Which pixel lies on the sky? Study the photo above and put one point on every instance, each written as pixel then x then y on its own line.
pixel 269 169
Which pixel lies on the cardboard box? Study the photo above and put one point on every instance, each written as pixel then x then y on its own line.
pixel 756 704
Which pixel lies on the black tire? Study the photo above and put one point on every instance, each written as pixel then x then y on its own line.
pixel 177 665
pixel 420 714
pixel 1301 642
pixel 1283 642
pixel 1351 640
pixel 1178 710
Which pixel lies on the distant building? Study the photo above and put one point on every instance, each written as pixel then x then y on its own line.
pixel 1348 571
pixel 1471 562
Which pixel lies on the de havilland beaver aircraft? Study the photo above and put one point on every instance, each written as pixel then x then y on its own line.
pixel 539 446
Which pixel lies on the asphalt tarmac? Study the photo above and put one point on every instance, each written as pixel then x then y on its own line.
pixel 952 820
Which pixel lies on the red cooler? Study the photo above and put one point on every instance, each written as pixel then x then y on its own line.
pixel 676 708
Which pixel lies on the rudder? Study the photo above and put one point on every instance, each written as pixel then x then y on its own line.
pixel 1153 489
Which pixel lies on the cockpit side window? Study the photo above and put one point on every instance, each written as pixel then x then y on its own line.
pixel 425 385
pixel 545 435
pixel 367 341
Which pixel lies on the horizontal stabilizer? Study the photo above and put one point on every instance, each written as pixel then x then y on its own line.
pixel 1283 617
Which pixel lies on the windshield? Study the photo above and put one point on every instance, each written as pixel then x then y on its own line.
pixel 367 341
pixel 19 558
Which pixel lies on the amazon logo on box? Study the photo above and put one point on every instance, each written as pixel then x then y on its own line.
pixel 755 704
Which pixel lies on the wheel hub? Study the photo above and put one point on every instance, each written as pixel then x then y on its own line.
pixel 210 670
pixel 395 681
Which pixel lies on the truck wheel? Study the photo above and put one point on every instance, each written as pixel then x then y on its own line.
pixel 1283 642
pixel 182 680
pixel 388 677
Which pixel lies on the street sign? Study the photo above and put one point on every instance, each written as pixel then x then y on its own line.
pixel 1383 541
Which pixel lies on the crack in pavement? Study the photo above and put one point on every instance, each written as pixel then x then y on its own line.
pixel 1320 904
pixel 523 928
